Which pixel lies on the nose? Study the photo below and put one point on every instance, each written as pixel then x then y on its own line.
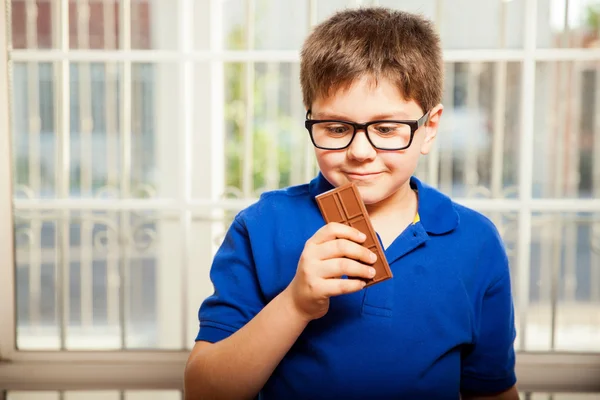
pixel 361 149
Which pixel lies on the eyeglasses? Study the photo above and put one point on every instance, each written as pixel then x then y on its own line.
pixel 330 134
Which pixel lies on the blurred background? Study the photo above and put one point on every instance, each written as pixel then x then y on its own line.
pixel 138 128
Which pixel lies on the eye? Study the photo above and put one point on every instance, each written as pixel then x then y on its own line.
pixel 386 129
pixel 337 130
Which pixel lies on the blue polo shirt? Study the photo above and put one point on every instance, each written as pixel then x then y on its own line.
pixel 443 324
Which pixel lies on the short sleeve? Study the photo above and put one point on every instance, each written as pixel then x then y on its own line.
pixel 237 297
pixel 488 366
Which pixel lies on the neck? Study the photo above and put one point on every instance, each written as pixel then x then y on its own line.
pixel 404 200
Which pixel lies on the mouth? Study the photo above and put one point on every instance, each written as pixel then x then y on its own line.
pixel 359 176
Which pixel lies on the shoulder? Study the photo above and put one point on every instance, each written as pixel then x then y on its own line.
pixel 476 225
pixel 289 213
pixel 465 234
pixel 275 228
pixel 478 233
pixel 442 216
pixel 275 202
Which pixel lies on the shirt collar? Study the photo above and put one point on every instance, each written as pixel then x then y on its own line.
pixel 436 210
pixel 319 185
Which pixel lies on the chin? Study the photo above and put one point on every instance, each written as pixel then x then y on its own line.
pixel 370 195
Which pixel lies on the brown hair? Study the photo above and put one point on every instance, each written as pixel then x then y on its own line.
pixel 377 42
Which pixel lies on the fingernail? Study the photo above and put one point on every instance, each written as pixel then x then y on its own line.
pixel 362 236
pixel 373 257
pixel 372 272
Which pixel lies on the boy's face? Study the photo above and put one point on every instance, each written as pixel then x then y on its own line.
pixel 378 174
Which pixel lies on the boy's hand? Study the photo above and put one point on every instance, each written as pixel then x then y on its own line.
pixel 333 251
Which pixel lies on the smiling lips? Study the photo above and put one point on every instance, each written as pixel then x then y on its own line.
pixel 362 175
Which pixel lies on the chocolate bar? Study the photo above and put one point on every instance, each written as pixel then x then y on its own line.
pixel 344 205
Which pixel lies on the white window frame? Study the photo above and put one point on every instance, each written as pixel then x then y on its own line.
pixel 64 370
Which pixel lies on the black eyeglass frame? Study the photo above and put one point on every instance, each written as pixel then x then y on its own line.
pixel 414 126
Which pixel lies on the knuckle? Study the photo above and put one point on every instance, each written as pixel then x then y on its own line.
pixel 309 249
pixel 313 287
pixel 310 285
pixel 332 226
pixel 367 254
pixel 305 248
pixel 304 273
pixel 342 246
pixel 303 257
pixel 344 286
pixel 337 228
pixel 360 252
pixel 344 265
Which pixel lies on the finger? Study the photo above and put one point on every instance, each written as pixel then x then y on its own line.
pixel 344 248
pixel 336 287
pixel 338 267
pixel 335 230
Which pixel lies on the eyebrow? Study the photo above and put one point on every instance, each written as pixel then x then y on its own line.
pixel 394 115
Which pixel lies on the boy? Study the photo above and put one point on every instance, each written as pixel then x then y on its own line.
pixel 290 317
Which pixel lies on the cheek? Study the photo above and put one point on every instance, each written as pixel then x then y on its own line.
pixel 329 159
pixel 400 161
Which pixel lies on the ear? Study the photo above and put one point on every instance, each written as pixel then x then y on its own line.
pixel 430 128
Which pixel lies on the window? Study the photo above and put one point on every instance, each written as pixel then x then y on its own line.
pixel 140 127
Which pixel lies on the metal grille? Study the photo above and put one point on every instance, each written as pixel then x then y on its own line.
pixel 140 127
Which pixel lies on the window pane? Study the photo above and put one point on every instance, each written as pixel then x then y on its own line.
pixel 478 138
pixel 564 310
pixel 266 23
pixel 98 147
pixel 492 23
pixel 208 229
pixel 34 134
pixel 234 25
pixel 568 23
pixel 124 280
pixel 156 102
pixel 287 26
pixel 95 123
pixel 278 150
pixel 33 23
pixel 567 130
pixel 428 8
pixel 36 277
pixel 326 8
pixel 155 24
pixel 94 24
